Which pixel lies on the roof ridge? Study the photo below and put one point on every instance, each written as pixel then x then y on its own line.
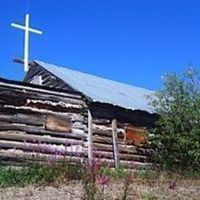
pixel 95 76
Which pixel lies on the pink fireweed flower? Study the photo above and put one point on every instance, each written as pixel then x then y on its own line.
pixel 172 186
pixel 102 180
pixel 96 164
pixel 132 165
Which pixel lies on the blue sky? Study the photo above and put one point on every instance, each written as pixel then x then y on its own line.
pixel 132 41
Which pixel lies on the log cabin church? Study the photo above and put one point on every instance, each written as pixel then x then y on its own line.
pixel 58 113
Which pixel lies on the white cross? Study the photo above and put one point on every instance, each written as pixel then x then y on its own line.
pixel 27 29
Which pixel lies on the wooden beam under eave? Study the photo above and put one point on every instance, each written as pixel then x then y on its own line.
pixel 90 139
pixel 115 143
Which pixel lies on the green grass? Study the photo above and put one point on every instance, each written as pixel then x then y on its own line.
pixel 146 174
pixel 149 196
pixel 114 173
pixel 38 174
pixel 43 174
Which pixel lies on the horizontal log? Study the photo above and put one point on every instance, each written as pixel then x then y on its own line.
pixel 46 79
pixel 38 119
pixel 18 155
pixel 79 125
pixel 132 157
pixel 106 132
pixel 7 113
pixel 107 140
pixel 34 119
pixel 105 122
pixel 52 103
pixel 131 164
pixel 26 145
pixel 74 134
pixel 103 131
pixel 44 148
pixel 29 110
pixel 30 91
pixel 21 96
pixel 22 100
pixel 129 157
pixel 24 137
pixel 109 147
pixel 44 107
pixel 125 149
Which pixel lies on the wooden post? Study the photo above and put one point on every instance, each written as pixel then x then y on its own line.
pixel 115 144
pixel 90 141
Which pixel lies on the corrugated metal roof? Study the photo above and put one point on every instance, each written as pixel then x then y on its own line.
pixel 101 89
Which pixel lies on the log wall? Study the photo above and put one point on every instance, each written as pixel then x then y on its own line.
pixel 40 124
pixel 129 154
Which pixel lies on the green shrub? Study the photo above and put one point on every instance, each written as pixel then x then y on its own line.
pixel 176 137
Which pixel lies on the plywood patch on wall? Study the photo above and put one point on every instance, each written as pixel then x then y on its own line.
pixel 135 135
pixel 55 123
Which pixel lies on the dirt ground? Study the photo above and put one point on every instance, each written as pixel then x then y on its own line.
pixel 183 190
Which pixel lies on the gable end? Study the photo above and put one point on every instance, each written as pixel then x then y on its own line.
pixel 47 79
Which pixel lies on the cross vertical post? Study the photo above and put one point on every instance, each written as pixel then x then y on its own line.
pixel 26 28
pixel 26 43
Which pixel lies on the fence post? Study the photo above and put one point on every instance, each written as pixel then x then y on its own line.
pixel 115 143
pixel 90 140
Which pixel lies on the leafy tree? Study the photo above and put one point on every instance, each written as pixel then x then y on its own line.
pixel 176 136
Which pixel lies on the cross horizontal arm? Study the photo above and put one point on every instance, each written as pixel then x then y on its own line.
pixel 35 31
pixel 25 28
pixel 18 26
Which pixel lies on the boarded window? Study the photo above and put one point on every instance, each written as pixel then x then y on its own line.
pixel 135 135
pixel 55 123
